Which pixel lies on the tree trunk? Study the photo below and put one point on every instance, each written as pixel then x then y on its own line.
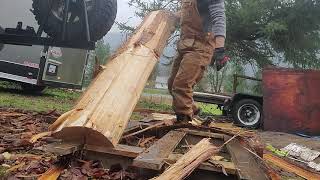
pixel 190 161
pixel 102 113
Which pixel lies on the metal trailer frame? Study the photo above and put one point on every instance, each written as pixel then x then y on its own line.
pixel 28 36
pixel 227 103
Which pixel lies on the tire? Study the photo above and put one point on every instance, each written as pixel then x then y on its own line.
pixel 101 16
pixel 32 89
pixel 248 113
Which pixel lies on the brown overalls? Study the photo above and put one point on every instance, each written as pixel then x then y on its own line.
pixel 195 50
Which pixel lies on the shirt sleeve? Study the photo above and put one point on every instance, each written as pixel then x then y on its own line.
pixel 217 17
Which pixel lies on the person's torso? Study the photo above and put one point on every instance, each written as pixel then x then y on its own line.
pixel 194 18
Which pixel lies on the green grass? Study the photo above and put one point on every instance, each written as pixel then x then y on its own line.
pixel 206 109
pixel 155 91
pixel 209 109
pixel 154 106
pixel 151 106
pixel 11 96
pixel 3 171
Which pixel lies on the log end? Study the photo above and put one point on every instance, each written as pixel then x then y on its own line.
pixel 83 135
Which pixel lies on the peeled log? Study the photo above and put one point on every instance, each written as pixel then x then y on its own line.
pixel 102 113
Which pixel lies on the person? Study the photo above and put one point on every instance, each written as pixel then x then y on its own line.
pixel 202 41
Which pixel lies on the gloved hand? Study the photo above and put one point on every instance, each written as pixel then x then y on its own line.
pixel 219 58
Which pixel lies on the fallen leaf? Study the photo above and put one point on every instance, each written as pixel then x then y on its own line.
pixel 1 158
pixel 2 149
pixel 5 165
pixel 32 127
pixel 6 155
pixel 52 174
pixel 21 142
pixel 76 171
pixel 13 168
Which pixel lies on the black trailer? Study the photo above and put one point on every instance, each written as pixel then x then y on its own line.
pixel 246 109
pixel 48 42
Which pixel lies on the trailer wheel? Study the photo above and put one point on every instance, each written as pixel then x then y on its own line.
pixel 101 16
pixel 248 113
pixel 32 89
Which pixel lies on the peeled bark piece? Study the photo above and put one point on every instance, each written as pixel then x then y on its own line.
pixel 102 113
pixel 190 161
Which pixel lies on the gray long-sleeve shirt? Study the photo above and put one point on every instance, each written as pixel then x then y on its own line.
pixel 214 17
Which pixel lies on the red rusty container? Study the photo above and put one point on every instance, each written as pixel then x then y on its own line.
pixel 291 100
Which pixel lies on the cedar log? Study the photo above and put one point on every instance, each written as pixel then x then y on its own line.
pixel 102 113
pixel 190 161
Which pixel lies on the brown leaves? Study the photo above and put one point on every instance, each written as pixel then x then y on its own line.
pixel 93 170
pixel 17 127
pixel 16 151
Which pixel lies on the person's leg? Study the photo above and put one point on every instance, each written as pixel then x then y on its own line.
pixel 195 107
pixel 174 71
pixel 206 52
pixel 190 71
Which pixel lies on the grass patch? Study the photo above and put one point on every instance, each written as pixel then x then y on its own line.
pixel 154 106
pixel 206 109
pixel 3 171
pixel 59 99
pixel 209 109
pixel 11 96
pixel 155 91
pixel 136 116
pixel 149 105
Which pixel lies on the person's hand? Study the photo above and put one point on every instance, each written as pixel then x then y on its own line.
pixel 219 58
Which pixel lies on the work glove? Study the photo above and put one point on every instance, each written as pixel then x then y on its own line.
pixel 219 58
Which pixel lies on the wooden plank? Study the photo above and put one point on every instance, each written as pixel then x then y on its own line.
pixel 120 150
pixel 103 112
pixel 203 133
pixel 228 166
pixel 245 162
pixel 62 148
pixel 287 166
pixel 190 161
pixel 154 157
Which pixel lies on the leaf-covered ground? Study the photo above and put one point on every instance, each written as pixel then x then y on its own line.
pixel 22 159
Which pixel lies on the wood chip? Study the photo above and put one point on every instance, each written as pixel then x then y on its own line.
pixel 190 161
pixel 36 137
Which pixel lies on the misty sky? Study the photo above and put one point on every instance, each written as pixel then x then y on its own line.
pixel 124 13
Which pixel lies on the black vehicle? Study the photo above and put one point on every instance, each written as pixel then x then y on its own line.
pixel 246 109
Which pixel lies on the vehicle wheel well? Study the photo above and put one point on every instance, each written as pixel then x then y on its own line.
pixel 239 97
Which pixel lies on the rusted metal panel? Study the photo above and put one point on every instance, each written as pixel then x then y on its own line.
pixel 292 100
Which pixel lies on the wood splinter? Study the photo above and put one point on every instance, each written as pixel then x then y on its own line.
pixel 190 161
